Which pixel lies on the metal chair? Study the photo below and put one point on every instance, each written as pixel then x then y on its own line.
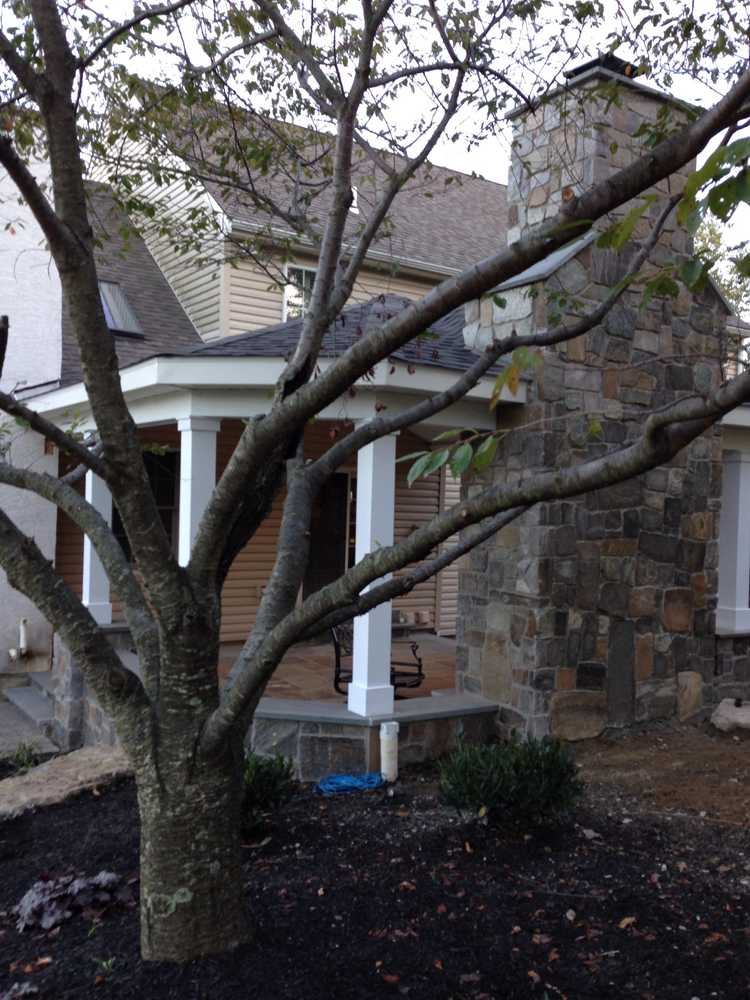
pixel 404 674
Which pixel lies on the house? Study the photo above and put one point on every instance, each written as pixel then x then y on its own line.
pixel 189 389
pixel 631 603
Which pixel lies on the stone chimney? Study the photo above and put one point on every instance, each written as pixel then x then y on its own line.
pixel 582 132
pixel 597 610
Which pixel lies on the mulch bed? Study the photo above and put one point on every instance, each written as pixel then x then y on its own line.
pixel 379 896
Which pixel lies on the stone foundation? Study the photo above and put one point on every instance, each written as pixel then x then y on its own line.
pixel 79 720
pixel 326 746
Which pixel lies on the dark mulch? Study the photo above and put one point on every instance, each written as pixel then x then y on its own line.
pixel 380 896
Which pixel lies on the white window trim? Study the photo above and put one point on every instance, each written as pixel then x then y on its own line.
pixel 733 611
pixel 284 299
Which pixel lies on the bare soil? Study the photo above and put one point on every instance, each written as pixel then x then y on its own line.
pixel 645 894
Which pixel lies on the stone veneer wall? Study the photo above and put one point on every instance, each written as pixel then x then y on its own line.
pixel 317 748
pixel 589 611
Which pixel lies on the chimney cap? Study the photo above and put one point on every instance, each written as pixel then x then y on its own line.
pixel 610 62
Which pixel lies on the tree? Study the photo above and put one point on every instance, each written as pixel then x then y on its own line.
pixel 348 70
pixel 711 244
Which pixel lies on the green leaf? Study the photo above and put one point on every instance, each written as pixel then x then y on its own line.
pixel 663 286
pixel 692 271
pixel 450 435
pixel 412 454
pixel 618 235
pixel 461 459
pixel 485 453
pixel 499 301
pixel 595 428
pixel 429 462
pixel 418 468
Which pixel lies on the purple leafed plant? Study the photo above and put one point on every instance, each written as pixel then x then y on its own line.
pixel 49 902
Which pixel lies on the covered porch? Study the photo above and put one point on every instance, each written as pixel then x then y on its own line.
pixel 191 411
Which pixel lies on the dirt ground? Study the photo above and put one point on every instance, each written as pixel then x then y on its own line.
pixel 672 769
pixel 644 894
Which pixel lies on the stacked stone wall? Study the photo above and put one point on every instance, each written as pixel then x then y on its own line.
pixel 600 610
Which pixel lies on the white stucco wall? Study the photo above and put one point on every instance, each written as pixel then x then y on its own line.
pixel 37 518
pixel 29 294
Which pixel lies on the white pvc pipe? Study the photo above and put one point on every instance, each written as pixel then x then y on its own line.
pixel 23 637
pixel 389 750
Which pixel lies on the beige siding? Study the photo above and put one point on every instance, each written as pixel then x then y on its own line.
pixel 195 280
pixel 415 506
pixel 254 301
pixel 448 579
pixel 372 283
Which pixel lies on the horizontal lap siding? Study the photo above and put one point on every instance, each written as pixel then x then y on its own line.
pixel 448 579
pixel 415 506
pixel 255 301
pixel 252 567
pixel 195 281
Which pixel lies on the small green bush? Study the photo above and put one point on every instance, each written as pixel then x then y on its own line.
pixel 269 783
pixel 531 782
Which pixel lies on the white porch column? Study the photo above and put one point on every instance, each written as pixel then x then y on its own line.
pixel 95 581
pixel 733 612
pixel 197 477
pixel 371 692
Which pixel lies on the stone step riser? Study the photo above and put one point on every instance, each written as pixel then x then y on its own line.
pixel 33 705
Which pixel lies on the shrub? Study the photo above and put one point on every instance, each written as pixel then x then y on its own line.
pixel 269 783
pixel 527 782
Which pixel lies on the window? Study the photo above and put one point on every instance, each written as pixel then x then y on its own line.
pixel 298 292
pixel 162 471
pixel 117 310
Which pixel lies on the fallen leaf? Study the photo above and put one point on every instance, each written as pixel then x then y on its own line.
pixel 515 930
pixel 407 887
pixel 715 938
pixel 98 980
pixel 554 955
pixel 534 976
pixel 570 916
pixel 626 922
pixel 442 908
pixel 541 938
pixel 321 891
pixel 468 848
pixel 438 963
pixel 391 978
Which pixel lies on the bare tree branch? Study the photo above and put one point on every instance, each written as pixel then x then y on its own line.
pixel 161 10
pixel 10 405
pixel 665 433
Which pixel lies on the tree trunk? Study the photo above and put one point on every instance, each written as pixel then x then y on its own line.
pixel 192 886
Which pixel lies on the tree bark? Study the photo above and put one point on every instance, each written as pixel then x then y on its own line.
pixel 192 887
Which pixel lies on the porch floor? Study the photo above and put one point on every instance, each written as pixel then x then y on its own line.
pixel 307 671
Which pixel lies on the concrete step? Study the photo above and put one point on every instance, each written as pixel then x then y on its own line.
pixel 15 729
pixel 33 704
pixel 43 682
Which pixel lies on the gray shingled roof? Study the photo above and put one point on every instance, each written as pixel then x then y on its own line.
pixel 448 226
pixel 442 218
pixel 443 347
pixel 166 327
